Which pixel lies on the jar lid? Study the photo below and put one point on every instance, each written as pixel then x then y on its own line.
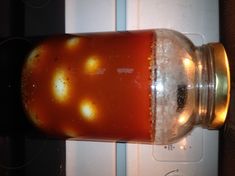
pixel 222 85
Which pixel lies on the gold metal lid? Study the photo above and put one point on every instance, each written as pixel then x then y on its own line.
pixel 222 85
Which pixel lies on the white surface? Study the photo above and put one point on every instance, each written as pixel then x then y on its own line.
pixel 90 158
pixel 200 16
pixel 142 162
pixel 189 149
pixel 199 153
pixel 89 15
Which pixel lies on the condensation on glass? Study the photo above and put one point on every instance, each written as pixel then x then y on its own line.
pixel 148 86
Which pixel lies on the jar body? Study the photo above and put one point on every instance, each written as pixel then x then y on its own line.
pixel 91 86
pixel 125 86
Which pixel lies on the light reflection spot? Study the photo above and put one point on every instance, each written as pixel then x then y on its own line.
pixel 182 119
pixel 60 86
pixel 34 57
pixel 72 42
pixel 187 62
pixel 159 87
pixel 92 65
pixel 70 132
pixel 88 109
pixel 34 118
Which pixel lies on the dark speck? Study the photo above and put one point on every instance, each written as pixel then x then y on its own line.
pixel 182 95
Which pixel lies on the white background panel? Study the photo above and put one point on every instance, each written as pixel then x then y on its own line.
pixel 90 158
pixel 89 15
pixel 200 16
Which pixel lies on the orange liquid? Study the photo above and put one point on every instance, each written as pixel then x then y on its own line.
pixel 94 86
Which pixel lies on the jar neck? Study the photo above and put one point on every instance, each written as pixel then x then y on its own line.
pixel 205 85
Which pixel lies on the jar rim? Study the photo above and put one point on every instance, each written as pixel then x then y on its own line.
pixel 222 85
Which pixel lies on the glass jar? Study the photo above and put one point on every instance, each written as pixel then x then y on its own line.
pixel 148 86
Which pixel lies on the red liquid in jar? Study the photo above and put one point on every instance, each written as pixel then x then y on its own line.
pixel 94 86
